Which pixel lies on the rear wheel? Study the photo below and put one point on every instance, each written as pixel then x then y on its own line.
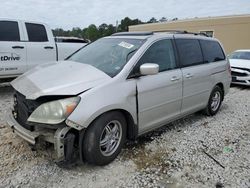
pixel 104 138
pixel 214 102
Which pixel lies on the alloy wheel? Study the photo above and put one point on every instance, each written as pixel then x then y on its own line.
pixel 110 138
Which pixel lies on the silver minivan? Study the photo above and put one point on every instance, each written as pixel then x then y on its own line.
pixel 116 89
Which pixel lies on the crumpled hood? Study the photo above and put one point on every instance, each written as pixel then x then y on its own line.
pixel 59 78
pixel 241 63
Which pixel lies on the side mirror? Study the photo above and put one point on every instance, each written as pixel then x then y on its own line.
pixel 149 69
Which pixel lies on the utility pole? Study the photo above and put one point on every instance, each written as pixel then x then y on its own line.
pixel 116 26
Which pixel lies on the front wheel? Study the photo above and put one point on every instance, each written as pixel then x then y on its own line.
pixel 104 138
pixel 214 102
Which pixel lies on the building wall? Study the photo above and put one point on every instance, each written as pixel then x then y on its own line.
pixel 232 31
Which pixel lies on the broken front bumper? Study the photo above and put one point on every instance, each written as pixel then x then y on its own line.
pixel 56 137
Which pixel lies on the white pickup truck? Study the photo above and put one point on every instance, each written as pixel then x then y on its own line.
pixel 24 45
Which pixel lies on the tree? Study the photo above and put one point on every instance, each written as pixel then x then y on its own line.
pixel 76 32
pixel 103 28
pixel 92 33
pixel 152 20
pixel 163 19
pixel 124 24
pixel 111 29
pixel 60 32
pixel 127 22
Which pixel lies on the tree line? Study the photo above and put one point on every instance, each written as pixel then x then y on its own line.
pixel 93 32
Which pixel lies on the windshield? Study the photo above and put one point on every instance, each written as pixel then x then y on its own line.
pixel 240 55
pixel 108 54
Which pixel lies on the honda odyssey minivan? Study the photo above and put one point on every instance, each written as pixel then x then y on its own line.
pixel 116 89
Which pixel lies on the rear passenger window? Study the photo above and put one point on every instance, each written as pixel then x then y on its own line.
pixel 189 52
pixel 212 51
pixel 161 53
pixel 9 31
pixel 36 32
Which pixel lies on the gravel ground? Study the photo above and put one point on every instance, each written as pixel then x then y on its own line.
pixel 196 151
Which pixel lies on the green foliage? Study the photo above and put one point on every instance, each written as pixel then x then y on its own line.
pixel 152 20
pixel 92 32
pixel 127 22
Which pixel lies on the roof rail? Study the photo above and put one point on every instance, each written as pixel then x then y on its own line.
pixel 133 33
pixel 173 31
pixel 146 33
pixel 185 32
pixel 203 34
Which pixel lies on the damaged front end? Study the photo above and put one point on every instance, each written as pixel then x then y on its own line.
pixel 240 76
pixel 60 135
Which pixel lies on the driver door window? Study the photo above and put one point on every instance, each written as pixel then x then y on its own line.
pixel 161 53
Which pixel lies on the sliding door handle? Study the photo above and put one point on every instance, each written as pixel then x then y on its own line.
pixel 174 78
pixel 189 75
pixel 18 47
pixel 48 47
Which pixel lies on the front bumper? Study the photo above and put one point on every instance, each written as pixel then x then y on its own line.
pixel 241 80
pixel 56 137
pixel 240 76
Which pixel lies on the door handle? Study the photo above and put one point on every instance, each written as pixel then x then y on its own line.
pixel 48 47
pixel 18 47
pixel 174 78
pixel 189 75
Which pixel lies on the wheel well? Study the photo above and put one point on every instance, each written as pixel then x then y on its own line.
pixel 222 88
pixel 132 128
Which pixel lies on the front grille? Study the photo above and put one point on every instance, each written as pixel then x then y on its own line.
pixel 245 69
pixel 23 109
pixel 241 81
pixel 238 74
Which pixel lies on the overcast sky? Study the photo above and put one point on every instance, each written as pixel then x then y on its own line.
pixel 81 13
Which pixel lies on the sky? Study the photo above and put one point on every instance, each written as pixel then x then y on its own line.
pixel 67 14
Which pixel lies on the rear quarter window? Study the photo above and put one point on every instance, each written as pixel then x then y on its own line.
pixel 9 31
pixel 189 51
pixel 36 32
pixel 212 51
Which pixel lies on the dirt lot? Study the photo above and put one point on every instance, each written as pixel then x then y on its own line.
pixel 197 151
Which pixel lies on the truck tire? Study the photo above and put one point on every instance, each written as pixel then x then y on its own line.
pixel 104 138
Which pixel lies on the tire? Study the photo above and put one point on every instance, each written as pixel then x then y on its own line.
pixel 104 138
pixel 214 102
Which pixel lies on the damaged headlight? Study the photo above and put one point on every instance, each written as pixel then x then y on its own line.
pixel 54 112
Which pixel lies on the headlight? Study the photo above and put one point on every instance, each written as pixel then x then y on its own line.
pixel 54 112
